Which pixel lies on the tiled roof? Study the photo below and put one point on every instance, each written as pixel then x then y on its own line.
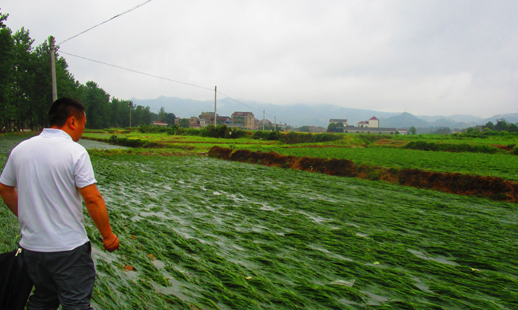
pixel 242 113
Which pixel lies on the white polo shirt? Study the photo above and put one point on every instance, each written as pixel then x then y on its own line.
pixel 47 170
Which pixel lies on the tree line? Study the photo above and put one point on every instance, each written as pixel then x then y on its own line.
pixel 26 88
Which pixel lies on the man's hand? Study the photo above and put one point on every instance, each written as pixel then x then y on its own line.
pixel 97 211
pixel 111 243
pixel 10 197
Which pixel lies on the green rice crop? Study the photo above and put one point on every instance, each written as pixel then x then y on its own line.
pixel 202 233
pixel 496 165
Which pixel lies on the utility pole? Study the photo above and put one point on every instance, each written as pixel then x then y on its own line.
pixel 53 68
pixel 263 120
pixel 215 93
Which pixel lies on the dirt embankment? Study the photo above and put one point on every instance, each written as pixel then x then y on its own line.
pixel 457 183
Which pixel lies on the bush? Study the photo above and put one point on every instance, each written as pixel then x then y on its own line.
pixel 221 131
pixel 267 135
pixel 295 137
pixel 450 147
pixel 156 129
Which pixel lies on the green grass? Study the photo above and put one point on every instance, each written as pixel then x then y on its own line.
pixel 229 235
pixel 496 165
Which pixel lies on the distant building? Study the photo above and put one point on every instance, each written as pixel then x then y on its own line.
pixel 402 132
pixel 223 120
pixel 244 119
pixel 368 130
pixel 373 122
pixel 317 129
pixel 266 122
pixel 338 120
pixel 161 124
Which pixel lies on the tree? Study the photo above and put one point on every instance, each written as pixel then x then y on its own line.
pixel 6 56
pixel 22 79
pixel 161 115
pixel 490 125
pixel 184 123
pixel 304 129
pixel 442 131
pixel 169 119
pixel 96 103
pixel 501 125
pixel 412 130
pixel 512 128
pixel 335 127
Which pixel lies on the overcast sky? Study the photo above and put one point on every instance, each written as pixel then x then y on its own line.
pixel 424 57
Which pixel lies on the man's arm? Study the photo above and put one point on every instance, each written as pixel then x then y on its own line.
pixel 10 197
pixel 97 211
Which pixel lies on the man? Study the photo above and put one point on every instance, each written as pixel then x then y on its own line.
pixel 42 183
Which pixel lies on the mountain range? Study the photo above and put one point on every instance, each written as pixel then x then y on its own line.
pixel 315 115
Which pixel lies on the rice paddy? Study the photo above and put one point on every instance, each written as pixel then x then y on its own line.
pixel 201 233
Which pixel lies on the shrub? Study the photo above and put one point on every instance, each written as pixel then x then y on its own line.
pixel 221 131
pixel 295 137
pixel 450 147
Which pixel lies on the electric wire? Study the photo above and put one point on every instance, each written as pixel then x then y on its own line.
pixel 135 71
pixel 163 78
pixel 114 17
pixel 280 122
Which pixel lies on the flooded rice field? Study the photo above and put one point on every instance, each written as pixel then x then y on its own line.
pixel 9 141
pixel 201 233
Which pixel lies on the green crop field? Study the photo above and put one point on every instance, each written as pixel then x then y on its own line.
pixel 201 233
pixel 496 165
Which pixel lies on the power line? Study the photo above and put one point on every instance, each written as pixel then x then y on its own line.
pixel 139 72
pixel 162 78
pixel 245 104
pixel 114 17
pixel 238 101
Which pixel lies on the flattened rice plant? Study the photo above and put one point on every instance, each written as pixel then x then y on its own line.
pixel 200 233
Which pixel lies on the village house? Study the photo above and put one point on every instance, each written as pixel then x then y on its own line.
pixel 317 129
pixel 373 122
pixel 160 124
pixel 207 118
pixel 338 120
pixel 372 126
pixel 245 120
pixel 402 132
pixel 259 123
pixel 194 122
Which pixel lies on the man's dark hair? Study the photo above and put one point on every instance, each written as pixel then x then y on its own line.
pixel 62 109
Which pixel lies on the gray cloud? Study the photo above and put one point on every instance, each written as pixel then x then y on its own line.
pixel 425 57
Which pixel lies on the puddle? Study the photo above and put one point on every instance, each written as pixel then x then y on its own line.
pixel 375 299
pixel 315 218
pixel 420 285
pixel 437 258
pixel 329 253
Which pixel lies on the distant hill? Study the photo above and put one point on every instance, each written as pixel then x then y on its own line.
pixel 403 120
pixel 314 115
pixel 294 115
pixel 510 118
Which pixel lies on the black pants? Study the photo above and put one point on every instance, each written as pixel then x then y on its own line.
pixel 65 278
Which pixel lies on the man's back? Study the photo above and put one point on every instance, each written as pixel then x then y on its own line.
pixel 47 169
